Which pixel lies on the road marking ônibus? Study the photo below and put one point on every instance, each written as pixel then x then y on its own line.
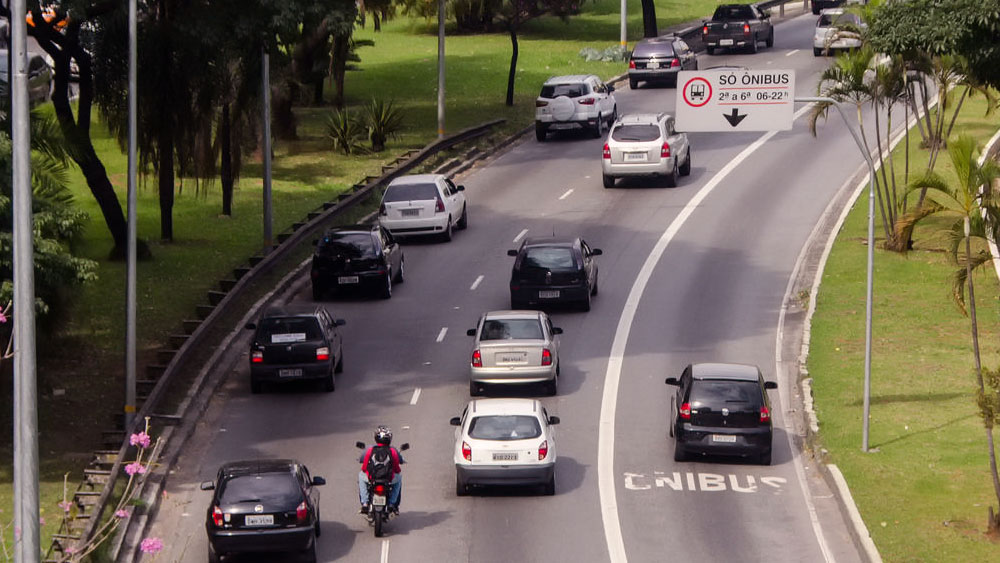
pixel 697 481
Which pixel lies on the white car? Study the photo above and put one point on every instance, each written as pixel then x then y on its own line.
pixel 514 347
pixel 423 204
pixel 579 100
pixel 645 144
pixel 837 30
pixel 505 442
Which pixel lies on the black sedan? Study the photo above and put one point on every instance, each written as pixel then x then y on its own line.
pixel 550 270
pixel 356 257
pixel 721 409
pixel 660 59
pixel 295 343
pixel 263 506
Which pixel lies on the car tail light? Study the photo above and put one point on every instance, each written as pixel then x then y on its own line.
pixel 466 451
pixel 685 411
pixel 746 28
pixel 302 512
pixel 587 101
pixel 322 354
pixel 477 359
pixel 439 206
pixel 665 150
pixel 765 414
pixel 381 210
pixel 217 516
pixel 675 63
pixel 257 356
pixel 631 64
pixel 704 30
pixel 546 357
pixel 380 489
pixel 540 103
pixel 607 151
pixel 543 450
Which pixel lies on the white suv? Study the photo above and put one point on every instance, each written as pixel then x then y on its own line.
pixel 579 100
pixel 646 145
pixel 423 204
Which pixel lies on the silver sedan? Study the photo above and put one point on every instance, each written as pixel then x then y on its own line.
pixel 514 347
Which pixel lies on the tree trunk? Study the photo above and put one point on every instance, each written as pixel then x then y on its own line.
pixel 513 65
pixel 649 19
pixel 226 167
pixel 283 123
pixel 318 91
pixel 341 47
pixel 165 172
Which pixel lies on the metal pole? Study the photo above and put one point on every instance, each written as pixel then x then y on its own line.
pixel 624 40
pixel 266 87
pixel 871 262
pixel 130 273
pixel 440 69
pixel 27 547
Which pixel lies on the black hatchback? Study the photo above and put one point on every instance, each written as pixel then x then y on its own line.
pixel 721 409
pixel 660 59
pixel 365 257
pixel 551 270
pixel 267 505
pixel 293 344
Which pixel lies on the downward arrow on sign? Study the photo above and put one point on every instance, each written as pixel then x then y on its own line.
pixel 735 118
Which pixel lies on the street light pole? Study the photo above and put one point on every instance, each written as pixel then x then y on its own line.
pixel 440 69
pixel 266 96
pixel 130 274
pixel 624 40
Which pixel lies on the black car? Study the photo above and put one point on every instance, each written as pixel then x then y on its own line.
pixel 660 59
pixel 721 409
pixel 550 270
pixel 294 343
pixel 267 505
pixel 820 5
pixel 356 257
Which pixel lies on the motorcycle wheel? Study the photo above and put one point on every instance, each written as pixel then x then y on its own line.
pixel 377 521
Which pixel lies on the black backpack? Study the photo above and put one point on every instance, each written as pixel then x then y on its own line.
pixel 380 464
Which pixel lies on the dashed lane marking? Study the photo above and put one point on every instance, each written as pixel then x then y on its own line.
pixel 478 281
pixel 566 195
pixel 416 396
pixel 520 235
pixel 444 331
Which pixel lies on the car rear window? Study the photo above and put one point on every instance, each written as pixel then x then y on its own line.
pixel 549 258
pixel 269 489
pixel 348 245
pixel 288 330
pixel 636 133
pixel 719 392
pixel 410 192
pixel 660 49
pixel 504 427
pixel 729 13
pixel 508 329
pixel 570 90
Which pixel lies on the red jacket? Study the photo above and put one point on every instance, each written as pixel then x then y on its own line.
pixel 396 469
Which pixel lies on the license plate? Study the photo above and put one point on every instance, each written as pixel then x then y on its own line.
pixel 347 279
pixel 725 42
pixel 723 438
pixel 550 294
pixel 378 500
pixel 258 520
pixel 292 372
pixel 635 156
pixel 511 358
pixel 505 456
pixel 411 212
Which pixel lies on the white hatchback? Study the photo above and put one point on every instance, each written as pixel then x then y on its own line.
pixel 423 204
pixel 505 442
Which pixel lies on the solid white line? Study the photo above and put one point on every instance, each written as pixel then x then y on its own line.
pixel 792 52
pixel 609 400
pixel 566 195
pixel 385 552
pixel 416 396
pixel 444 331
pixel 520 235
pixel 475 284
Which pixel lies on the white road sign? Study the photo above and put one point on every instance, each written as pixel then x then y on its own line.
pixel 735 100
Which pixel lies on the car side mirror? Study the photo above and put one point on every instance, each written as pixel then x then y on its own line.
pixel 404 447
pixel 208 486
pixel 455 421
pixel 556 330
pixel 359 445
pixel 770 385
pixel 511 252
pixel 553 420
pixel 471 332
pixel 610 88
pixel 596 252
pixel 339 322
pixel 460 188
pixel 318 481
pixel 250 326
pixel 672 381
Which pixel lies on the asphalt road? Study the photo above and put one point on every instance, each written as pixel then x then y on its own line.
pixel 714 295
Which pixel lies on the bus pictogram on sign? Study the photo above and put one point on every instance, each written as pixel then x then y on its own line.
pixel 697 92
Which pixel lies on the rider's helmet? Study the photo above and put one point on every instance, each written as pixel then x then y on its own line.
pixel 383 435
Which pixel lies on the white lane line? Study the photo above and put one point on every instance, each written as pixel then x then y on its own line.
pixel 385 552
pixel 416 396
pixel 476 283
pixel 520 235
pixel 609 399
pixel 566 195
pixel 792 52
pixel 444 331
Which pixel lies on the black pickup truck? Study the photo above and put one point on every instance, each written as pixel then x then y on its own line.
pixel 737 26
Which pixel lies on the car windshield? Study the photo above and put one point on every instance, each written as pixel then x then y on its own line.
pixel 828 20
pixel 348 245
pixel 288 330
pixel 410 192
pixel 504 427
pixel 637 133
pixel 657 49
pixel 570 90
pixel 549 258
pixel 269 489
pixel 730 13
pixel 717 392
pixel 510 329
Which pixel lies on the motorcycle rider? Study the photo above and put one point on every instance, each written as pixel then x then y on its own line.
pixel 383 438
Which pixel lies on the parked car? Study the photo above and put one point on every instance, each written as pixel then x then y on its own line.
pixel 645 145
pixel 550 270
pixel 295 344
pixel 660 59
pixel 737 26
pixel 514 347
pixel 39 77
pixel 423 204
pixel 505 442
pixel 721 409
pixel 837 30
pixel 356 257
pixel 265 505
pixel 579 100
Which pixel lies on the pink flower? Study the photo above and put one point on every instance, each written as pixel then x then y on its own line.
pixel 141 439
pixel 151 545
pixel 3 318
pixel 135 467
pixel 122 513
pixel 71 550
pixel 41 520
pixel 65 506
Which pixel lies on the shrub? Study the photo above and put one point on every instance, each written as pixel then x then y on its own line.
pixel 384 120
pixel 346 131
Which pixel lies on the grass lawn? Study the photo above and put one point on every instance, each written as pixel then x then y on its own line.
pixel 924 493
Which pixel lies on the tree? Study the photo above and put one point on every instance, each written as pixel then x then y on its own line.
pixel 512 14
pixel 649 19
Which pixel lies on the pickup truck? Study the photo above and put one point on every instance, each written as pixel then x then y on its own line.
pixel 737 26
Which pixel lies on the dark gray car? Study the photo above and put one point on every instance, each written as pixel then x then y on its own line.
pixel 660 59
pixel 39 77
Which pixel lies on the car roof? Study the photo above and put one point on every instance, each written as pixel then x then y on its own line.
pixel 642 118
pixel 568 79
pixel 514 314
pixel 258 466
pixel 481 407
pixel 736 372
pixel 416 179
pixel 550 241
pixel 832 11
pixel 292 310
pixel 361 229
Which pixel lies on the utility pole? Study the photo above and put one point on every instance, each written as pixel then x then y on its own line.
pixel 130 273
pixel 440 69
pixel 266 96
pixel 624 40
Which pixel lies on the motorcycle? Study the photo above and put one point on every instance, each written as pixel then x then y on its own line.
pixel 378 496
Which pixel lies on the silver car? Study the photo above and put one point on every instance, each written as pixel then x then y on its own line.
pixel 645 145
pixel 837 30
pixel 514 347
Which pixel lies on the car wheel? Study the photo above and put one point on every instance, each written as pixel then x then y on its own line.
pixel 593 290
pixel 475 390
pixel 387 288
pixel 633 83
pixel 213 556
pixel 517 304
pixel 552 387
pixel 753 44
pixel 461 489
pixel 329 384
pixel 317 292
pixel 447 231
pixel 685 168
pixel 671 179
pixel 400 276
pixel 540 133
pixel 585 304
pixel 319 532
pixel 815 9
pixel 817 51
pixel 255 386
pixel 672 82
pixel 609 181
pixel 770 38
pixel 598 130
pixel 679 453
pixel 765 457
pixel 550 488
pixel 710 50
pixel 614 115
pixel 339 368
pixel 463 221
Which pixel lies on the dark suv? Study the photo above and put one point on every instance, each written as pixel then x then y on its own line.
pixel 359 256
pixel 721 409
pixel 295 344
pixel 551 270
